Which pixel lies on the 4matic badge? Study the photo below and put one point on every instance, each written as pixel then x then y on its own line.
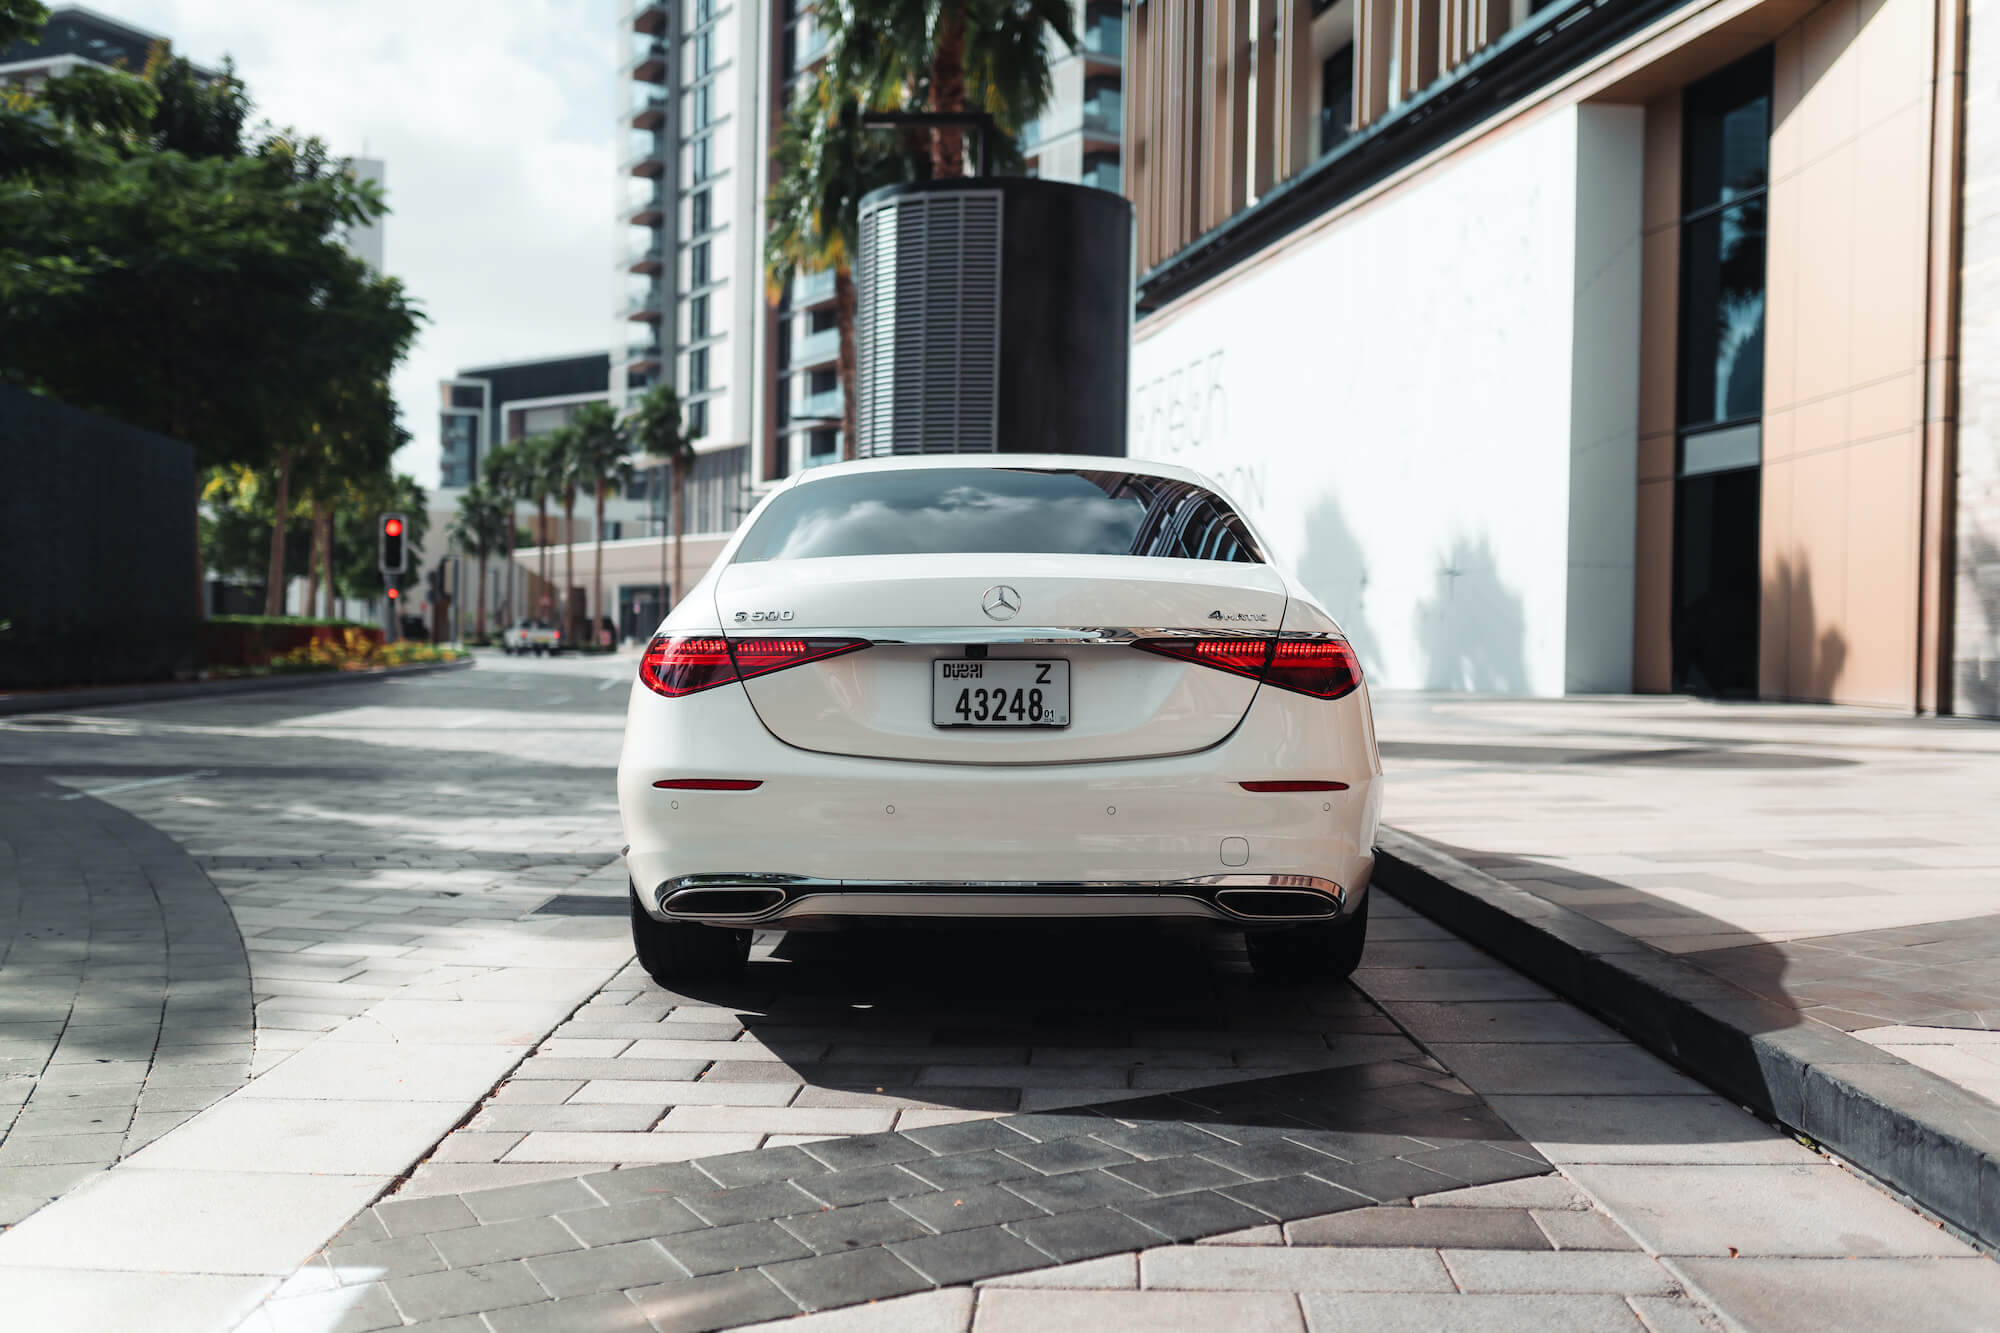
pixel 758 617
pixel 1257 616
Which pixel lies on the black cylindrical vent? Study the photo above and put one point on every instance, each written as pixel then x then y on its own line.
pixel 994 314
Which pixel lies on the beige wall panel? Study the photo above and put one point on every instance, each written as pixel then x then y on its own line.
pixel 1810 583
pixel 1891 220
pixel 1782 262
pixel 1660 269
pixel 1881 602
pixel 1819 424
pixel 1885 407
pixel 1652 646
pixel 1823 296
pixel 1897 37
pixel 1828 65
pixel 1663 162
pixel 1780 431
pixel 1777 558
pixel 1787 86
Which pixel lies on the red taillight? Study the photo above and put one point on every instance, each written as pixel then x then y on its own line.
pixel 691 663
pixel 709 784
pixel 1286 785
pixel 1322 668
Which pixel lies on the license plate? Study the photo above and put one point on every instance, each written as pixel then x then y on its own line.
pixel 999 692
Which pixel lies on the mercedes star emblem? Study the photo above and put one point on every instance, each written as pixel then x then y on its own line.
pixel 1001 602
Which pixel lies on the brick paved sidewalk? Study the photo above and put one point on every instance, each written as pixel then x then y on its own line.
pixel 1843 862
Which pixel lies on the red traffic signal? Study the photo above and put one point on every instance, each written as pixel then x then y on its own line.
pixel 390 555
pixel 394 594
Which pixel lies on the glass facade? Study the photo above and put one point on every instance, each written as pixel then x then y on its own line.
pixel 1725 146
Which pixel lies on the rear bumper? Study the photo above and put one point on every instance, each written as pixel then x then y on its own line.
pixel 836 836
pixel 754 899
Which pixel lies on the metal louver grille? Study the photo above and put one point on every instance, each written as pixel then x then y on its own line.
pixel 927 325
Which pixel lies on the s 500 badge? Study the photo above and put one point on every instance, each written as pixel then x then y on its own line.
pixel 756 617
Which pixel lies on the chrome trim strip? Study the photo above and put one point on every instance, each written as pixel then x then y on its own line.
pixel 1193 896
pixel 894 636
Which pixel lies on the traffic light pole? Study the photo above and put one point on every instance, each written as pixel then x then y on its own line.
pixel 392 557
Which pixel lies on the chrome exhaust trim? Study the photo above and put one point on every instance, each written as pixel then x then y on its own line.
pixel 750 898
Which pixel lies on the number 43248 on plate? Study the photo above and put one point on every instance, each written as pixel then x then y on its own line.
pixel 999 692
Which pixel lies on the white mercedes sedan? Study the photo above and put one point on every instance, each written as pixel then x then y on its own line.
pixel 998 687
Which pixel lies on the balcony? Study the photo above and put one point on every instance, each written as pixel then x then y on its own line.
pixel 811 289
pixel 646 258
pixel 816 349
pixel 650 113
pixel 1103 39
pixel 819 407
pixel 649 64
pixel 648 210
pixel 643 306
pixel 642 359
pixel 1104 113
pixel 647 164
pixel 649 17
pixel 811 45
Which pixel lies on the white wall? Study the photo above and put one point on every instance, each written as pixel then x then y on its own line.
pixel 1398 401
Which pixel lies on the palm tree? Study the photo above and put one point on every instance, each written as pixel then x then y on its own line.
pixel 957 55
pixel 565 466
pixel 504 472
pixel 601 447
pixel 826 162
pixel 480 525
pixel 654 428
pixel 541 479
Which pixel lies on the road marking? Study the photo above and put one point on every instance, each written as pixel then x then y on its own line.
pixel 609 682
pixel 117 787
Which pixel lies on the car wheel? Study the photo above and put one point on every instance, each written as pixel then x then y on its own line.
pixel 672 951
pixel 1316 951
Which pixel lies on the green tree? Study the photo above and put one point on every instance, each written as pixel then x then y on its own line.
pixel 565 463
pixel 543 464
pixel 505 473
pixel 654 427
pixel 948 56
pixel 481 527
pixel 601 463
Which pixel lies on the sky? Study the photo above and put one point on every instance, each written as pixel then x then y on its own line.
pixel 495 119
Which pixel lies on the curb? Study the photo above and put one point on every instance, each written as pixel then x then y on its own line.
pixel 65 701
pixel 1922 1135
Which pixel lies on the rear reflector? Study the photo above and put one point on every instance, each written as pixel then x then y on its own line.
pixel 710 784
pixel 1322 668
pixel 688 664
pixel 1291 786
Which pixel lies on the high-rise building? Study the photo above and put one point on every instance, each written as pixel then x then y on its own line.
pixel 1078 137
pixel 1574 346
pixel 77 36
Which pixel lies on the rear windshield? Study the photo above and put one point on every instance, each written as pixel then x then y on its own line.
pixel 962 511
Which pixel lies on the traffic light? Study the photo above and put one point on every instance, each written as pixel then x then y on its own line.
pixel 391 554
pixel 393 593
pixel 434 584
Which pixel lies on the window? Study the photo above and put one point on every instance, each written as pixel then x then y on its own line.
pixel 698 318
pixel 700 159
pixel 704 106
pixel 822 447
pixel 819 321
pixel 1336 99
pixel 697 370
pixel 704 10
pixel 698 212
pixel 704 53
pixel 697 420
pixel 1015 510
pixel 698 264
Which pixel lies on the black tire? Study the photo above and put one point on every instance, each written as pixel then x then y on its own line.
pixel 673 951
pixel 1317 951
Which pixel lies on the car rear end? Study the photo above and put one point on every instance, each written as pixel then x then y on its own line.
pixel 867 711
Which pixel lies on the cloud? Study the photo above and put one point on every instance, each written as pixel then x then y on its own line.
pixel 497 124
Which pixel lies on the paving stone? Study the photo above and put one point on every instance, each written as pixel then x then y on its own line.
pixel 415 1217
pixel 973 1168
pixel 604 1268
pixel 1557 1271
pixel 1581 1230
pixel 968 1255
pixel 1430 1228
pixel 1550 1191
pixel 1110 1273
pixel 740 1246
pixel 648 1182
pixel 637 1220
pixel 845 1278
pixel 724 1300
pixel 968 1206
pixel 947 1311
pixel 752 1168
pixel 1477 1163
pixel 606 1312
pixel 1029 1310
pixel 495 1241
pixel 864 1185
pixel 1418 1312
pixel 543 1199
pixel 1176 1175
pixel 464 1290
pixel 1293 1197
pixel 862 1224
pixel 1253 1268
pixel 1048 1126
pixel 1083 1235
pixel 970 1136
pixel 868 1150
pixel 1949 1295
pixel 1187 1216
pixel 1151 1141
pixel 751 1203
pixel 1068 1154
pixel 1267 1161
pixel 1387 1181
pixel 359 1310
pixel 1074 1189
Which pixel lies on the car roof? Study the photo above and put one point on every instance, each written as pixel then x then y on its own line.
pixel 1144 467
